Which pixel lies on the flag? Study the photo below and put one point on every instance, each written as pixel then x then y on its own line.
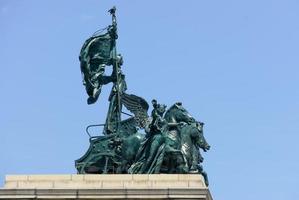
pixel 95 54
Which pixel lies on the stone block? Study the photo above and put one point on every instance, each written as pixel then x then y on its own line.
pixel 169 184
pixel 112 184
pixel 35 184
pixel 11 184
pixel 16 177
pixel 138 184
pixel 77 177
pixel 55 194
pixel 163 177
pixel 196 184
pixel 140 177
pixel 49 177
pixel 108 177
pixel 188 177
pixel 77 184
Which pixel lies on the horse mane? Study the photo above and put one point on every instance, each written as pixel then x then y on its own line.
pixel 168 112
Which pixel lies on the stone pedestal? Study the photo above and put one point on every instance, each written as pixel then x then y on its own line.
pixel 155 186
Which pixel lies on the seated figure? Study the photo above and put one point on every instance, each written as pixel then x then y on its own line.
pixel 150 155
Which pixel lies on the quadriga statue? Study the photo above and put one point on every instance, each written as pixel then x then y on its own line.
pixel 171 138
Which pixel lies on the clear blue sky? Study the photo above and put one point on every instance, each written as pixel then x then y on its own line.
pixel 233 64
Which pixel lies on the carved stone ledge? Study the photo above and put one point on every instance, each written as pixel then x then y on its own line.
pixel 157 186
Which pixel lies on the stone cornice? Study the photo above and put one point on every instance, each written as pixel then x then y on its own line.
pixel 157 186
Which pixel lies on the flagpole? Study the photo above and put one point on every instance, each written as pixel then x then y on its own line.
pixel 116 65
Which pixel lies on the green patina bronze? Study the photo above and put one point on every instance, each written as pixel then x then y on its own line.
pixel 172 138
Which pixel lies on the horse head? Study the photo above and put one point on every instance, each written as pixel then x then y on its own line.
pixel 177 113
pixel 200 139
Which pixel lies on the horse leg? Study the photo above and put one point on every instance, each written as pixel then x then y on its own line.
pixel 195 159
pixel 177 160
pixel 122 168
pixel 204 174
pixel 182 165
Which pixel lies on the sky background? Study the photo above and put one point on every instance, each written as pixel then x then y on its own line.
pixel 233 64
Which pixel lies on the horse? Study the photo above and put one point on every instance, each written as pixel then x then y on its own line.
pixel 186 135
pixel 192 140
pixel 174 161
pixel 129 148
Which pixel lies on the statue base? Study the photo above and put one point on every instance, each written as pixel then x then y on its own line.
pixel 112 186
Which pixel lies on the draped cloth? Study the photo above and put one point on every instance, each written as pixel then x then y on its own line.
pixel 150 155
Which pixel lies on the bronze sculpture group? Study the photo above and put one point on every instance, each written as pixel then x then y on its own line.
pixel 172 139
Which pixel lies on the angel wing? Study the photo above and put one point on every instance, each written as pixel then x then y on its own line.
pixel 138 106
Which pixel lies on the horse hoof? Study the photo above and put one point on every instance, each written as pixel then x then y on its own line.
pixel 193 171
